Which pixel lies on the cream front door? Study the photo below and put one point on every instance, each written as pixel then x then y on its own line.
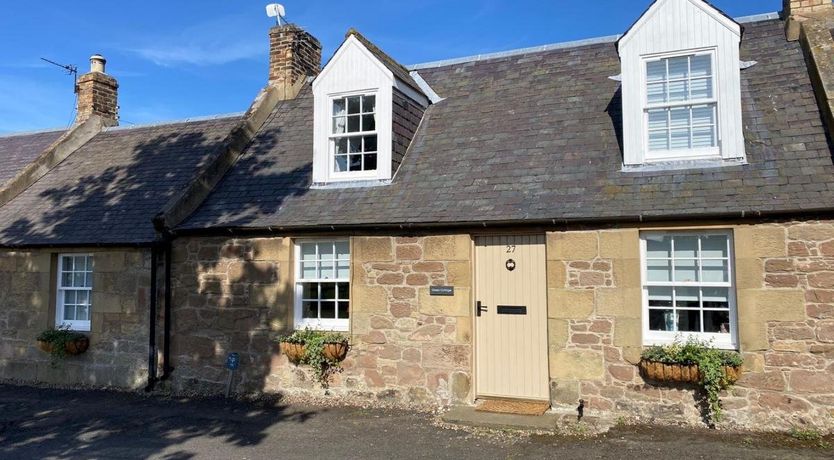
pixel 511 327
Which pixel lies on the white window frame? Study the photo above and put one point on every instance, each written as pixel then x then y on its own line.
pixel 332 137
pixel 722 341
pixel 81 326
pixel 326 324
pixel 650 156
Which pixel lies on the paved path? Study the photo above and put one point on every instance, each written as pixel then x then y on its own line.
pixel 40 423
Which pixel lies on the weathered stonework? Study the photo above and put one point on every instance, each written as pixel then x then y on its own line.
pixel 119 336
pixel 785 293
pixel 407 347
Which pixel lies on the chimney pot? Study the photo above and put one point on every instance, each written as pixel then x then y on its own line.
pixel 97 63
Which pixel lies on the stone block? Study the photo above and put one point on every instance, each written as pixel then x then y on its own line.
pixel 463 330
pixel 437 356
pixel 812 382
pixel 373 249
pixel 106 303
pixel 459 273
pixel 811 232
pixel 771 305
pixel 564 392
pixel 619 244
pixel 370 299
pixel 572 246
pixel 457 305
pixel 577 365
pixel 752 335
pixel 756 241
pixel 556 274
pixel 627 273
pixel 749 274
pixel 571 304
pixel 619 302
pixel 34 262
pixel 108 262
pixel 451 247
pixel 272 249
pixel 628 332
pixel 461 387
pixel 557 335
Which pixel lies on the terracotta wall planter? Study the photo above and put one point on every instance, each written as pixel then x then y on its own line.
pixel 335 351
pixel 294 351
pixel 680 373
pixel 76 347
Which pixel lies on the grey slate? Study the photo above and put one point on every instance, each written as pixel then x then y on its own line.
pixel 108 191
pixel 17 151
pixel 537 137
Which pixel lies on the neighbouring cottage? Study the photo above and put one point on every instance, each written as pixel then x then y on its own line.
pixel 577 202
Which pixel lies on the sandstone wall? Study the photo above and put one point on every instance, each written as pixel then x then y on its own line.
pixel 785 296
pixel 119 335
pixel 236 295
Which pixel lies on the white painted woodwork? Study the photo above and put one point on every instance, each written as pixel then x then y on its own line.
pixel 352 70
pixel 673 27
pixel 511 350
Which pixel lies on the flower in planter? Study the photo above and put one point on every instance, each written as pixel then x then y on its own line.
pixel 61 342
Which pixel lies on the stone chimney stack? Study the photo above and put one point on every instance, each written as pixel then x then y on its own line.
pixel 796 11
pixel 97 94
pixel 294 55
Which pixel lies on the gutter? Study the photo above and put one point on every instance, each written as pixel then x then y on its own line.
pixel 152 358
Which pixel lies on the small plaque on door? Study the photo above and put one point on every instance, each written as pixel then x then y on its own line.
pixel 511 310
pixel 443 291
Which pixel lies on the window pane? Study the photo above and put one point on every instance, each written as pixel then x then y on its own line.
pixel 344 290
pixel 355 163
pixel 310 291
pixel 328 290
pixel 716 298
pixel 703 115
pixel 328 310
pixel 338 107
pixel 686 247
pixel 308 271
pixel 327 270
pixel 370 143
pixel 703 137
pixel 701 88
pixel 714 246
pixel 658 247
pixel 341 146
pixel 662 320
pixel 678 67
pixel 680 139
pixel 689 320
pixel 369 104
pixel 69 313
pixel 82 313
pixel 368 122
pixel 355 145
pixel 660 297
pixel 686 270
pixel 78 279
pixel 656 71
pixel 659 270
pixel 344 310
pixel 342 250
pixel 678 91
pixel 717 322
pixel 687 297
pixel 656 93
pixel 308 251
pixel 66 279
pixel 714 271
pixel 354 104
pixel 310 310
pixel 353 124
pixel 69 297
pixel 343 270
pixel 325 251
pixel 88 280
pixel 67 264
pixel 701 66
pixel 370 162
pixel 341 163
pixel 658 119
pixel 339 124
pixel 82 297
pixel 679 117
pixel 659 140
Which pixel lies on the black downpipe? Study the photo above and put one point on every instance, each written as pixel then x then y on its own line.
pixel 166 346
pixel 152 323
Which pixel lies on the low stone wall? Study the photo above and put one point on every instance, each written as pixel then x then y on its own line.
pixel 785 296
pixel 119 337
pixel 235 295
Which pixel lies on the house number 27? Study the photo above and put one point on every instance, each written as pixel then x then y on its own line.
pixel 510 248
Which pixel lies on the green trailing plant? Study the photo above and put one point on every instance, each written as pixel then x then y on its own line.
pixel 314 356
pixel 711 363
pixel 58 339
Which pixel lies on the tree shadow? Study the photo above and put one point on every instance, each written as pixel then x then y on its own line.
pixel 615 113
pixel 39 423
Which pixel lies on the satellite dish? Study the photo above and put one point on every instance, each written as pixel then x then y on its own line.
pixel 277 11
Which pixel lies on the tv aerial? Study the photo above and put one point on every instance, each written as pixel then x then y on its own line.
pixel 70 69
pixel 277 11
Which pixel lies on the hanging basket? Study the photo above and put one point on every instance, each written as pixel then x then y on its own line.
pixel 335 352
pixel 72 348
pixel 680 373
pixel 294 351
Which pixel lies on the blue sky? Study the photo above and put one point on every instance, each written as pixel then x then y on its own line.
pixel 180 59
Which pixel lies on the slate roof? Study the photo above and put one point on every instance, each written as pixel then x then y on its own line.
pixel 17 151
pixel 536 138
pixel 108 191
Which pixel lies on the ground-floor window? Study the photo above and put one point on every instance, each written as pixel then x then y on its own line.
pixel 688 287
pixel 74 293
pixel 322 290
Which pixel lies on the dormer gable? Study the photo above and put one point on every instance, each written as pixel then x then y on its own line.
pixel 367 110
pixel 681 85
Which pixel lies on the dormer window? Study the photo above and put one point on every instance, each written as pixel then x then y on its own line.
pixel 681 107
pixel 681 88
pixel 354 135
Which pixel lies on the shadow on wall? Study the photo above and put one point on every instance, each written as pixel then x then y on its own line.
pixel 69 424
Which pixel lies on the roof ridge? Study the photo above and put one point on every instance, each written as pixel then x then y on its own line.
pixel 32 132
pixel 218 116
pixel 557 46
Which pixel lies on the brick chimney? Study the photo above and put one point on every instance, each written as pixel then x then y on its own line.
pixel 796 11
pixel 97 94
pixel 294 55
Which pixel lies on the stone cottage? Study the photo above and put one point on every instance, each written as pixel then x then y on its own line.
pixel 519 225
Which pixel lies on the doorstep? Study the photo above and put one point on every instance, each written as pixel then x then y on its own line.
pixel 469 416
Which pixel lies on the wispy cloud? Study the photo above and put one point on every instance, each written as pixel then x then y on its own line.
pixel 35 105
pixel 214 42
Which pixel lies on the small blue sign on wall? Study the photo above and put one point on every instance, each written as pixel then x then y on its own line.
pixel 233 361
